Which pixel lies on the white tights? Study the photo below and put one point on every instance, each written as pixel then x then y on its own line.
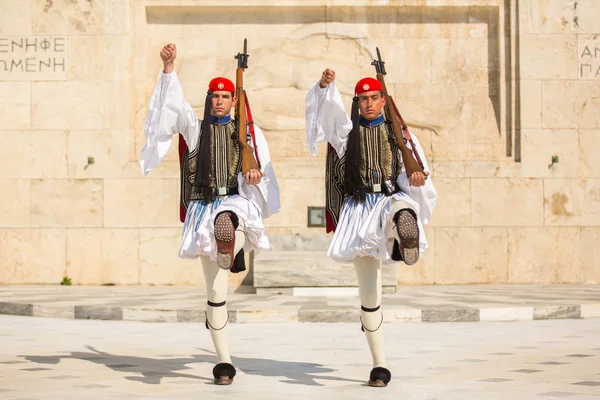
pixel 368 272
pixel 216 290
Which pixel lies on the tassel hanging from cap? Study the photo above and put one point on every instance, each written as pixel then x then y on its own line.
pixel 353 182
pixel 203 164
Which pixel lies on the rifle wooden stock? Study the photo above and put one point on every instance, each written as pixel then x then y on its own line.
pixel 241 116
pixel 398 126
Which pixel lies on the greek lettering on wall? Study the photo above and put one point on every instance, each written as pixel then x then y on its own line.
pixel 589 57
pixel 32 58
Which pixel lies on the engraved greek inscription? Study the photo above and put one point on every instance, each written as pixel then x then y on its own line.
pixel 14 65
pixel 55 64
pixel 43 64
pixel 45 44
pixel 584 68
pixel 18 44
pixel 589 59
pixel 59 45
pixel 586 52
pixel 33 64
pixel 31 43
pixel 33 58
pixel 30 64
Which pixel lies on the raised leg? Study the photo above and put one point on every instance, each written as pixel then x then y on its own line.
pixel 402 226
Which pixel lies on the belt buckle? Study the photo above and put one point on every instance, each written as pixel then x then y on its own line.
pixel 377 188
pixel 222 191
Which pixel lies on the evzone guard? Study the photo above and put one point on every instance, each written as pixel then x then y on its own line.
pixel 378 191
pixel 228 184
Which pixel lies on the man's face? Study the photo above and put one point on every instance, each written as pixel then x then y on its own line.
pixel 370 104
pixel 222 101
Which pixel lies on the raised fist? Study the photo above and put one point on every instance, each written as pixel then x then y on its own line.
pixel 168 53
pixel 327 77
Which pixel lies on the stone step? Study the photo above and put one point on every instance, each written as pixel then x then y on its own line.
pixel 306 268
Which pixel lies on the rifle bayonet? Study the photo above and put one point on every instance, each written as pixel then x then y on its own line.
pixel 243 57
pixel 379 63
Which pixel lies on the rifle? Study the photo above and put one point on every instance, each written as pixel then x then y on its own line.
pixel 412 161
pixel 243 115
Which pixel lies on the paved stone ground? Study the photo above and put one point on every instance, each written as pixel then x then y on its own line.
pixel 410 304
pixel 43 358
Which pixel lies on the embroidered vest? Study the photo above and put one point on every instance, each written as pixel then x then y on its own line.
pixel 225 163
pixel 381 160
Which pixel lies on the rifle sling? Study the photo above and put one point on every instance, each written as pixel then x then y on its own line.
pixel 406 133
pixel 251 129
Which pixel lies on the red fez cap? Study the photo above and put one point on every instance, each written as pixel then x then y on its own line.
pixel 367 85
pixel 221 83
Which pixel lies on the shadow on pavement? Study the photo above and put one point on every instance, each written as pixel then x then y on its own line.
pixel 153 370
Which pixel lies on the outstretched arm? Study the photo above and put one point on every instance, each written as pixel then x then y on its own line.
pixel 168 114
pixel 326 118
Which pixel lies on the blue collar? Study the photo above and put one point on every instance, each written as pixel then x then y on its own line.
pixel 220 121
pixel 377 121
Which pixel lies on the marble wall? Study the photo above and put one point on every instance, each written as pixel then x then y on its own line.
pixel 494 89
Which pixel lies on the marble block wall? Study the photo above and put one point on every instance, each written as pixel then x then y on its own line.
pixel 494 89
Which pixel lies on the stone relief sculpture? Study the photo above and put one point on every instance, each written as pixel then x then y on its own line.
pixel 280 75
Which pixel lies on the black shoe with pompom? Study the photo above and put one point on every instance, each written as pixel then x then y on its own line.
pixel 379 377
pixel 223 373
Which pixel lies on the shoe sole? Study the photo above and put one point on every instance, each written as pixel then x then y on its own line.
pixel 224 381
pixel 408 232
pixel 225 237
pixel 376 383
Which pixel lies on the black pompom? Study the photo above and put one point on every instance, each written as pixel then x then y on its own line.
pixel 223 369
pixel 380 373
pixel 239 263
pixel 396 254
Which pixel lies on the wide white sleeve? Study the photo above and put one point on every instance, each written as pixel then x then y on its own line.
pixel 426 195
pixel 265 195
pixel 326 119
pixel 168 114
